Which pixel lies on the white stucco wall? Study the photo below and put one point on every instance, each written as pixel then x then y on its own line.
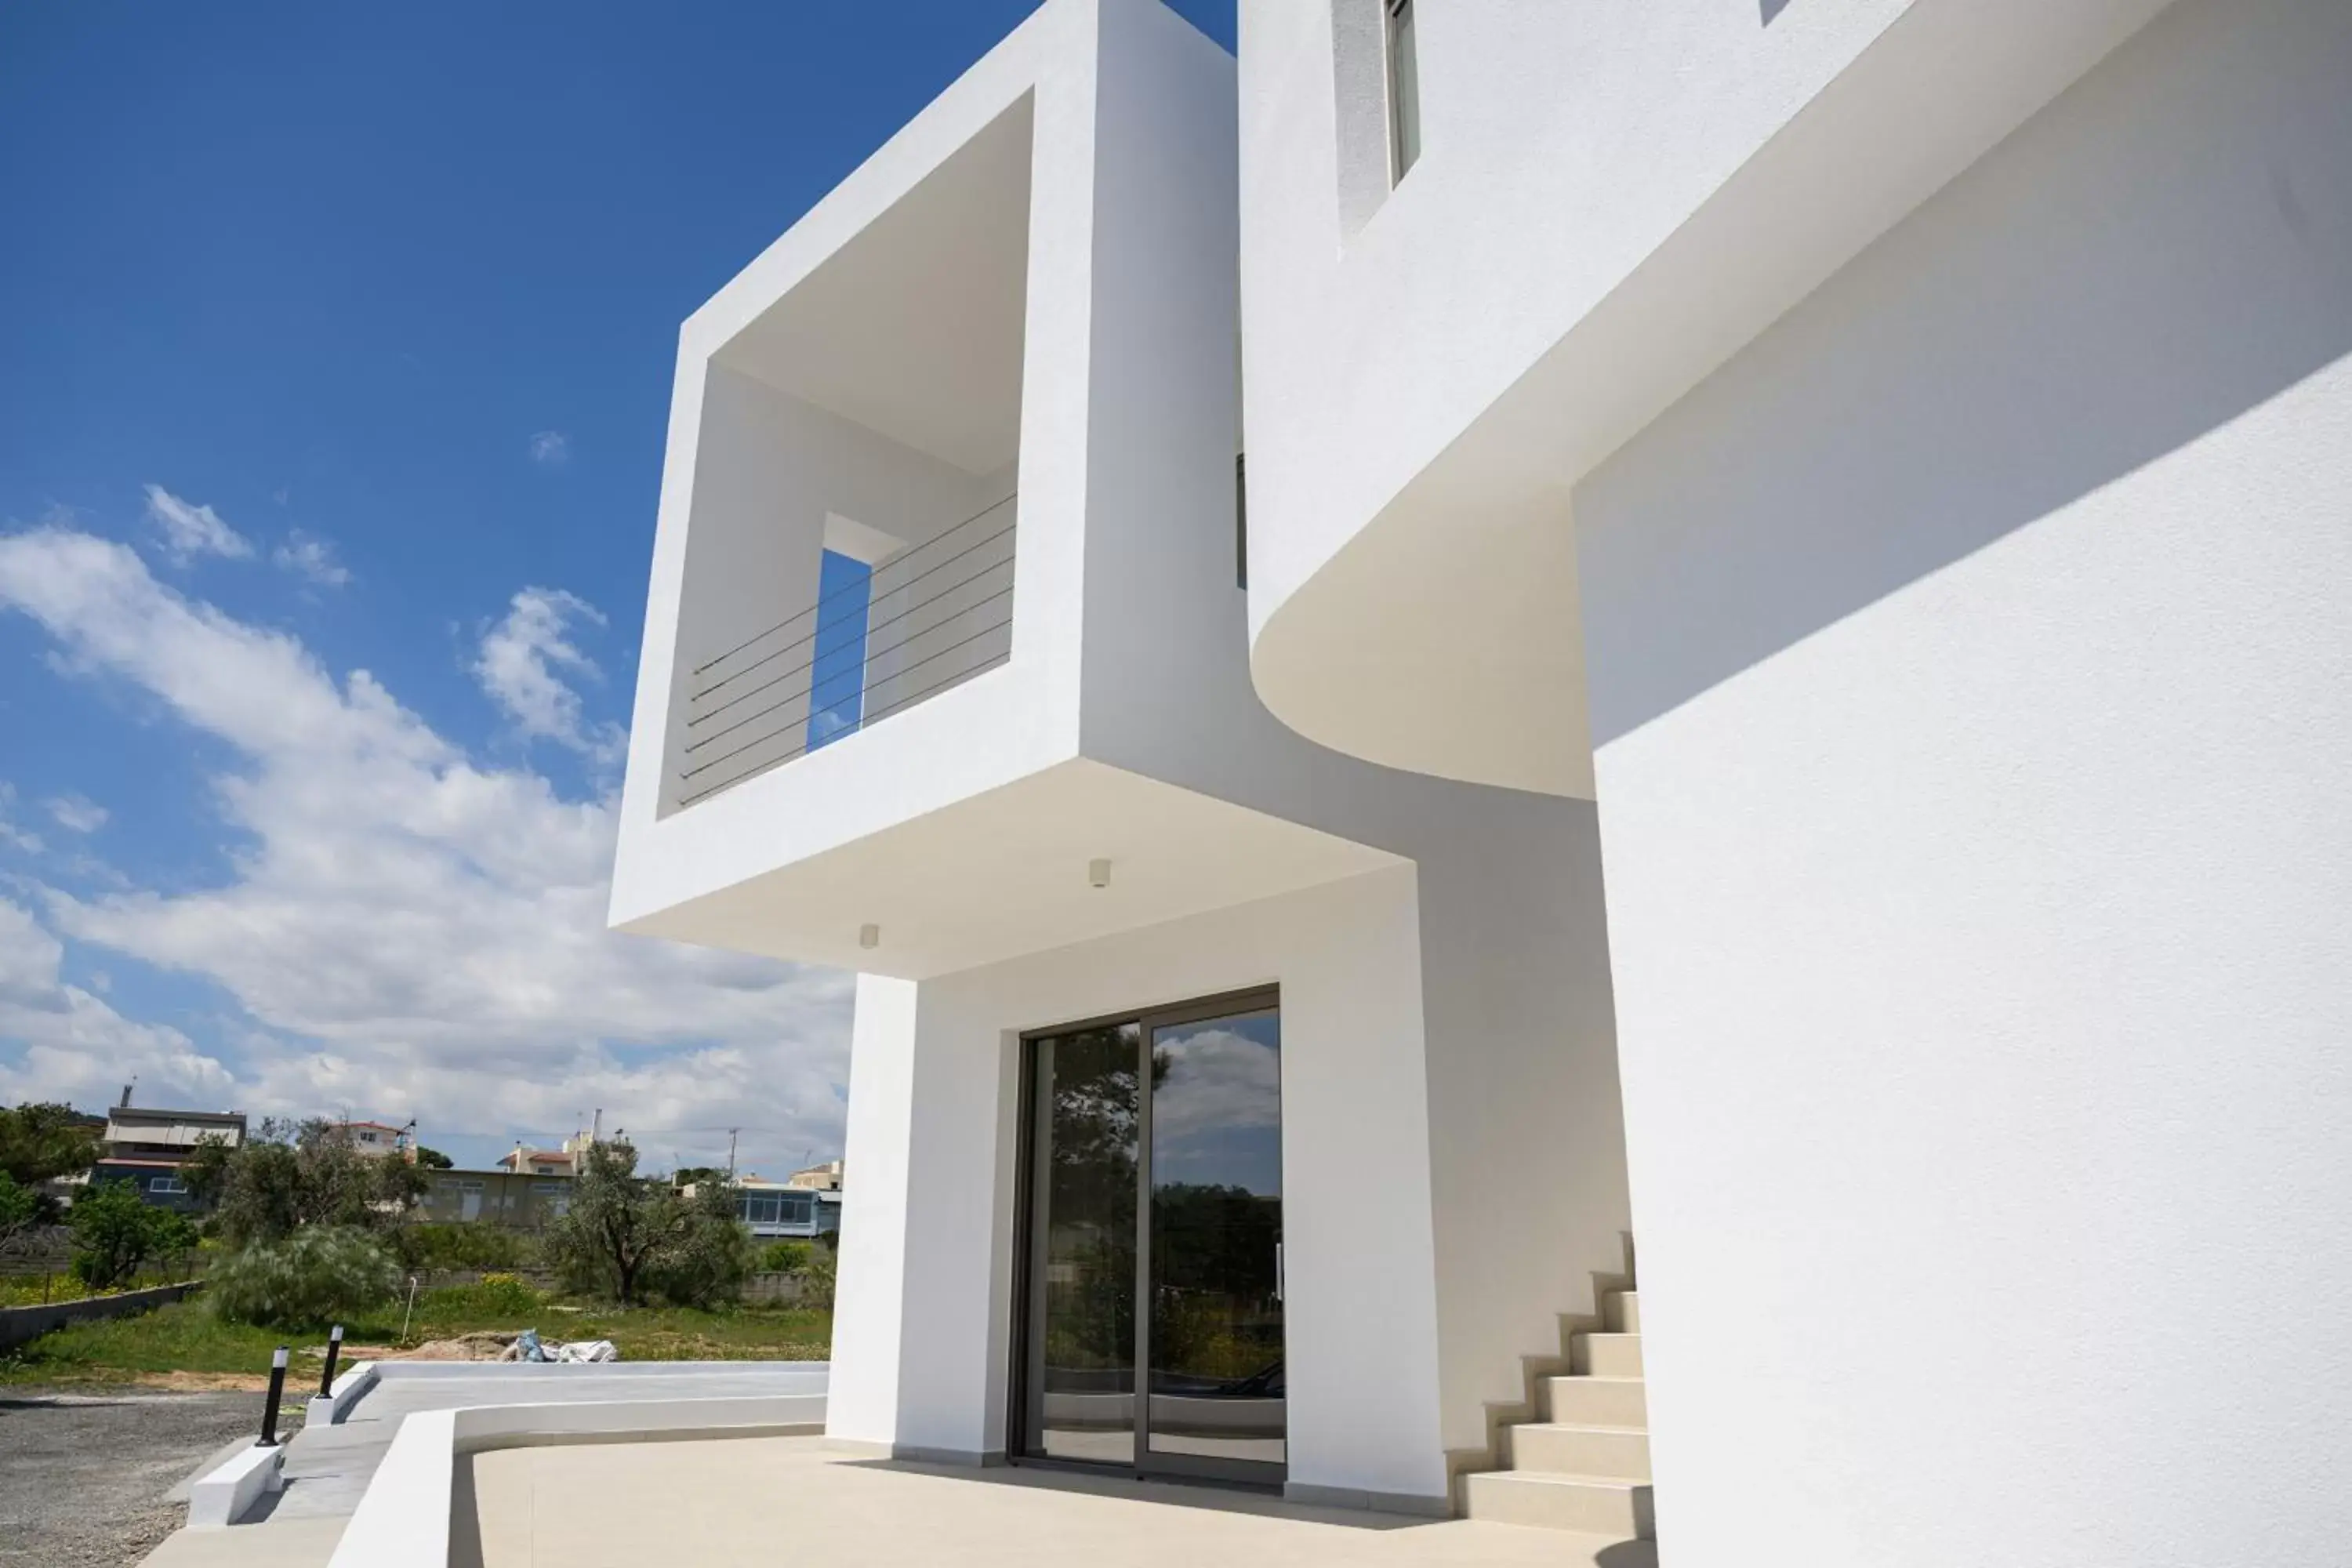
pixel 1360 1275
pixel 1972 673
pixel 1611 198
pixel 1452 1162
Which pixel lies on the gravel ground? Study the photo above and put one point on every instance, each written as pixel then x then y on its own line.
pixel 83 1471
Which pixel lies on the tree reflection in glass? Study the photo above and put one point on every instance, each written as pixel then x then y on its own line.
pixel 1093 1144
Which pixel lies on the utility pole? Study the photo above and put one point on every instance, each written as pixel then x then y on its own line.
pixel 596 1130
pixel 730 1152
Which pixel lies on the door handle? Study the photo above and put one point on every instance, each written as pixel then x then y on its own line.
pixel 1277 1271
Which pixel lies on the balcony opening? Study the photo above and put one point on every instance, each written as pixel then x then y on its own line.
pixel 837 684
pixel 850 537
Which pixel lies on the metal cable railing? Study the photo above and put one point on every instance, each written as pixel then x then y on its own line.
pixel 842 594
pixel 958 627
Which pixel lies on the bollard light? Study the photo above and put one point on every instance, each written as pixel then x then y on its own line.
pixel 277 1393
pixel 334 1354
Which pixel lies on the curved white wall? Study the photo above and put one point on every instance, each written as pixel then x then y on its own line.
pixel 1972 675
pixel 1612 197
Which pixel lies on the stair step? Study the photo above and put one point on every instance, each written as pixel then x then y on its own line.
pixel 1605 1355
pixel 1620 1452
pixel 1597 1505
pixel 1622 1311
pixel 1597 1401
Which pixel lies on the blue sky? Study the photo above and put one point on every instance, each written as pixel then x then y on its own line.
pixel 335 348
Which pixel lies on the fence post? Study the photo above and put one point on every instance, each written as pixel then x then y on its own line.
pixel 277 1393
pixel 334 1354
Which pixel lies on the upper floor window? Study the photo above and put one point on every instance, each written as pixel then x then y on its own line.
pixel 1404 89
pixel 1240 520
pixel 167 1184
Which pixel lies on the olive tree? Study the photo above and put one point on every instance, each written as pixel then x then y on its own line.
pixel 627 1236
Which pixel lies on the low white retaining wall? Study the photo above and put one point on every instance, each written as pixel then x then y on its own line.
pixel 336 1404
pixel 326 1409
pixel 220 1497
pixel 405 1521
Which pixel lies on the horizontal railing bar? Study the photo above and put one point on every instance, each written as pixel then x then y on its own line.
pixel 867 659
pixel 993 662
pixel 819 653
pixel 819 630
pixel 900 559
pixel 780 729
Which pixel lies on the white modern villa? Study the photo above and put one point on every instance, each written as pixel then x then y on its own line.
pixel 1590 764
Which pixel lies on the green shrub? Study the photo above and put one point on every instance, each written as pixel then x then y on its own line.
pixel 492 1296
pixel 114 1232
pixel 784 1258
pixel 20 1206
pixel 317 1276
pixel 459 1246
pixel 817 1278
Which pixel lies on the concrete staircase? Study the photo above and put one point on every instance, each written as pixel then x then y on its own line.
pixel 1586 1468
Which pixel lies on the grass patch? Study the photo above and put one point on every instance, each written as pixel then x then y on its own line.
pixel 185 1337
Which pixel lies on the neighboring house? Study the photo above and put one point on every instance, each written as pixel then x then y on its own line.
pixel 1876 470
pixel 149 1147
pixel 774 1210
pixel 539 1161
pixel 380 1138
pixel 524 1200
pixel 825 1178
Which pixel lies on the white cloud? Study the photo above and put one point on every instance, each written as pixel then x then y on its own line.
pixel 77 1047
pixel 190 530
pixel 517 666
pixel 1215 1079
pixel 77 814
pixel 11 835
pixel 409 931
pixel 550 449
pixel 308 555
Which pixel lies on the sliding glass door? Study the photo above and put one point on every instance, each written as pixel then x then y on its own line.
pixel 1154 1176
pixel 1089 1132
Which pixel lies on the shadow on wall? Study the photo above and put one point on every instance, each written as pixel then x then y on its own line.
pixel 2165 248
pixel 1771 8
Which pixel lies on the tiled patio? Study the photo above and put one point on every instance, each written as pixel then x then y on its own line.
pixel 746 1501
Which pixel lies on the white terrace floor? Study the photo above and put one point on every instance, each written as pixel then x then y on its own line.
pixel 718 1502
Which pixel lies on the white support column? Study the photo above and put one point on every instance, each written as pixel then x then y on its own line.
pixel 958 1237
pixel 862 1400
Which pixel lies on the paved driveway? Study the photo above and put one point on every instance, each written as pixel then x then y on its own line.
pixel 83 1471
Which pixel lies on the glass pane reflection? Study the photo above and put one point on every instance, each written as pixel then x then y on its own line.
pixel 1091 1142
pixel 1216 1346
